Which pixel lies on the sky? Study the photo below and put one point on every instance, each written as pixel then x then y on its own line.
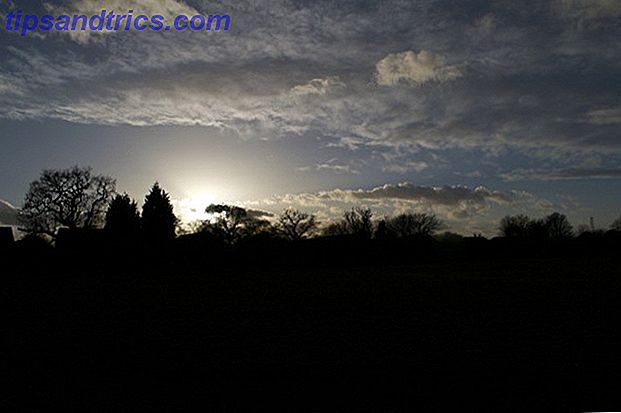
pixel 470 110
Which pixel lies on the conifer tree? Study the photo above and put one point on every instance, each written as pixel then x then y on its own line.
pixel 158 219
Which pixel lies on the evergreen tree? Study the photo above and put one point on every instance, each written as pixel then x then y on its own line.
pixel 158 220
pixel 122 217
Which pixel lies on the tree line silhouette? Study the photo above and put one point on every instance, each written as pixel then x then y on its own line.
pixel 69 206
pixel 242 287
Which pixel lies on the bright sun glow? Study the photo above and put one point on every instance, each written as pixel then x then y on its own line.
pixel 193 208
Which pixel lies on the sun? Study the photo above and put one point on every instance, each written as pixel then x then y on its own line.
pixel 192 208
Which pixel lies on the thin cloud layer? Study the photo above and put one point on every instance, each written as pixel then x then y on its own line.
pixel 562 174
pixel 414 68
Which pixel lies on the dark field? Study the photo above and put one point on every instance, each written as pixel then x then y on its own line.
pixel 519 330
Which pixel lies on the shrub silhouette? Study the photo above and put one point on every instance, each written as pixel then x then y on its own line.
pixel 158 219
pixel 72 198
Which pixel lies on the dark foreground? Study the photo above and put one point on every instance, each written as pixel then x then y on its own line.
pixel 518 332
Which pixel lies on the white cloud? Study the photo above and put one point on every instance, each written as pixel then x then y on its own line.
pixel 318 86
pixel 414 68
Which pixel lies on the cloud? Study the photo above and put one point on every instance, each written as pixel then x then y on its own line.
pixel 444 195
pixel 318 86
pixel 336 168
pixel 253 82
pixel 406 167
pixel 589 9
pixel 167 8
pixel 8 214
pixel 451 202
pixel 562 174
pixel 609 116
pixel 486 24
pixel 414 68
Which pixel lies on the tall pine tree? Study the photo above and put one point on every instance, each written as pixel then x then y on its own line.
pixel 158 220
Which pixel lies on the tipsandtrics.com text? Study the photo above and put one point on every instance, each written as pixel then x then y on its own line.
pixel 111 21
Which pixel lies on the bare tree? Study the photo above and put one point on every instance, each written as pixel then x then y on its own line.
pixel 72 198
pixel 616 225
pixel 358 221
pixel 407 225
pixel 517 226
pixel 553 226
pixel 296 225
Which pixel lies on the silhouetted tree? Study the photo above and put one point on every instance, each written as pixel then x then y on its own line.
pixel 407 225
pixel 381 230
pixel 515 226
pixel 122 217
pixel 553 226
pixel 359 222
pixel 356 222
pixel 557 226
pixel 158 219
pixel 232 223
pixel 616 225
pixel 296 225
pixel 255 224
pixel 537 229
pixel 72 198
